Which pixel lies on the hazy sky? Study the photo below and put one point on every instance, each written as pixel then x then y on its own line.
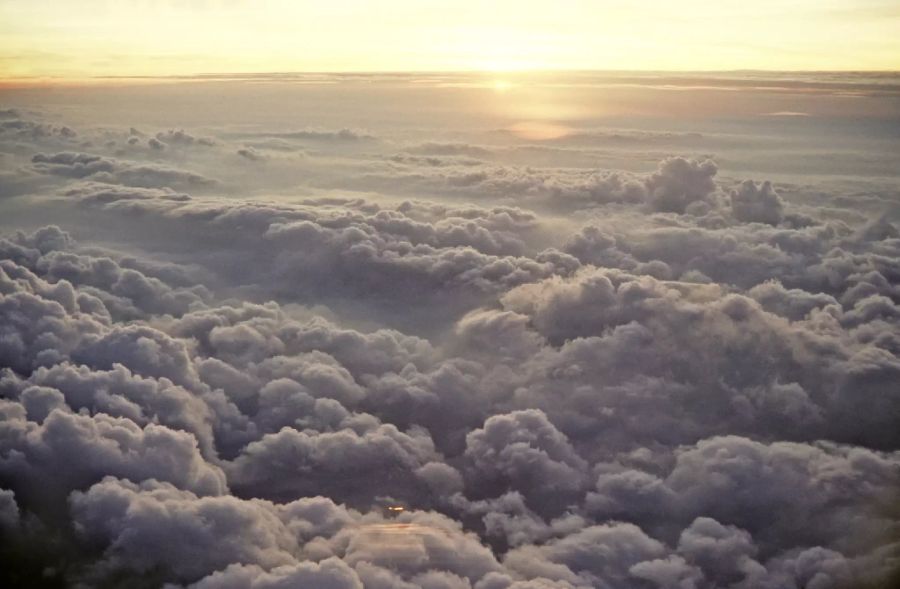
pixel 163 37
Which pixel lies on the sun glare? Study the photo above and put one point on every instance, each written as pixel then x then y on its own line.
pixel 539 130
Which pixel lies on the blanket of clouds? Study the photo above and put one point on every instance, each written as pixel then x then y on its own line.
pixel 586 335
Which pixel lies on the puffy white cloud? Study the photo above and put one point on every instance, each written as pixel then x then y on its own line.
pixel 329 574
pixel 679 182
pixel 757 204
pixel 417 543
pixel 761 483
pixel 669 573
pixel 345 464
pixel 599 556
pixel 726 554
pixel 154 525
pixel 525 452
pixel 65 451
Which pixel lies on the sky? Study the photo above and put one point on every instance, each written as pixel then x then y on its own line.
pixel 45 38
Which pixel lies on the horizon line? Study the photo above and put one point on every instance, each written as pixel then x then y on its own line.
pixel 474 71
pixel 38 80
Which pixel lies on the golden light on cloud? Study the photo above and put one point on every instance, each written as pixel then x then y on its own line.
pixel 539 130
pixel 90 38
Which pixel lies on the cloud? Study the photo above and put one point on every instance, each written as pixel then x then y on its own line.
pixel 780 472
pixel 451 149
pixel 9 511
pixel 330 574
pixel 595 556
pixel 265 405
pixel 316 135
pixel 677 183
pixel 250 153
pixel 348 465
pixel 13 125
pixel 524 451
pixel 181 138
pixel 352 247
pixel 61 451
pixel 155 524
pixel 757 204
pixel 111 171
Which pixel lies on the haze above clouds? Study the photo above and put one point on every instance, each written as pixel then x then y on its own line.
pixel 589 330
pixel 52 39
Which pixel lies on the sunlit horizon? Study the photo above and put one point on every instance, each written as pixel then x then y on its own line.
pixel 98 39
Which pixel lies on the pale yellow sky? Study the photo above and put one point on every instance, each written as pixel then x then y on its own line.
pixel 87 38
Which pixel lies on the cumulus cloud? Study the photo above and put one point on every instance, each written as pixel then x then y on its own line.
pixel 180 137
pixel 524 451
pixel 757 204
pixel 353 247
pixel 677 185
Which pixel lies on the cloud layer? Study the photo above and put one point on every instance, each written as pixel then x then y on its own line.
pixel 215 375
